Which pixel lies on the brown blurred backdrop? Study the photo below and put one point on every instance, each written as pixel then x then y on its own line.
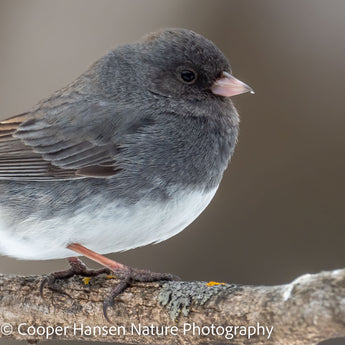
pixel 280 210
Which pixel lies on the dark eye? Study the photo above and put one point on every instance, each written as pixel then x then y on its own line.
pixel 188 76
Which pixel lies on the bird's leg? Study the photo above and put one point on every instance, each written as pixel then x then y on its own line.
pixel 102 260
pixel 77 268
pixel 126 274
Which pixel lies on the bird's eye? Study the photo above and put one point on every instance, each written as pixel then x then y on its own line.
pixel 188 76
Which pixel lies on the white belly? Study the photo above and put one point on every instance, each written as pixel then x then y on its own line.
pixel 104 229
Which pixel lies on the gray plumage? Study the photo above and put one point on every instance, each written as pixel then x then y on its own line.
pixel 128 129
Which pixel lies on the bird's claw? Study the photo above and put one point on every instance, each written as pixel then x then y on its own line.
pixel 128 276
pixel 77 268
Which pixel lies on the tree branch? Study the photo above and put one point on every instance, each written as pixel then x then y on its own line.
pixel 306 311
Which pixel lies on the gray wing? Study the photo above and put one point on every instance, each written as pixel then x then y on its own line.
pixel 69 142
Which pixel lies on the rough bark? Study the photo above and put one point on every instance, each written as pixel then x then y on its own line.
pixel 306 311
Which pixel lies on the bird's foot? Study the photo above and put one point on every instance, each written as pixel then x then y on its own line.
pixel 127 276
pixel 77 268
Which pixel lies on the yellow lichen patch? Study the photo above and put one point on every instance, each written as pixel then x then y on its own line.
pixel 211 283
pixel 86 280
pixel 111 277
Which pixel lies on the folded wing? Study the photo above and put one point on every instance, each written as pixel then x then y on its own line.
pixel 75 142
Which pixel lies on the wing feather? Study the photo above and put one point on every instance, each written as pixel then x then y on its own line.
pixel 37 148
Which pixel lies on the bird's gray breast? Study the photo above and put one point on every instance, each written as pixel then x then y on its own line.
pixel 190 152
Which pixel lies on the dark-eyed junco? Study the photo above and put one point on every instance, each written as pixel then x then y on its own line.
pixel 128 154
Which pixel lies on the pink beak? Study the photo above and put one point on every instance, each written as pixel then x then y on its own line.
pixel 228 86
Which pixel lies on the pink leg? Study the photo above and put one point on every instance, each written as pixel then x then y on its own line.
pixel 102 260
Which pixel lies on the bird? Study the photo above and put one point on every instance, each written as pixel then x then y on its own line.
pixel 128 154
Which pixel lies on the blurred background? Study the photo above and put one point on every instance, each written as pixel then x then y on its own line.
pixel 279 212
